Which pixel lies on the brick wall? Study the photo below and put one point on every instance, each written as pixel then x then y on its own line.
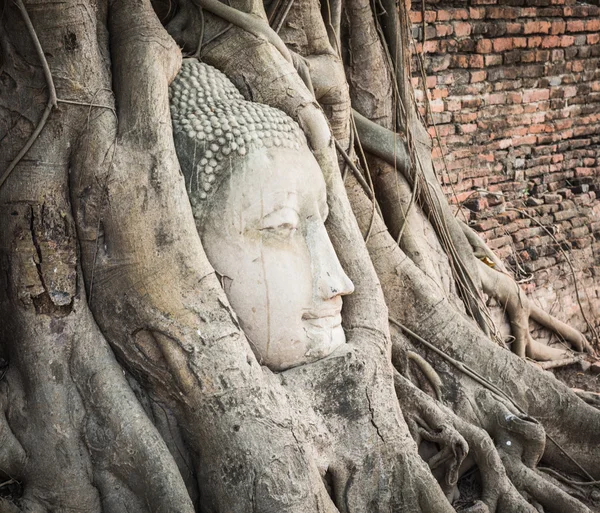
pixel 514 92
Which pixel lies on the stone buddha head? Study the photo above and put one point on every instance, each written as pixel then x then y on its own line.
pixel 259 201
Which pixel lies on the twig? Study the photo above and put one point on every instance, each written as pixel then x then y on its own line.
pixel 282 15
pixel 52 100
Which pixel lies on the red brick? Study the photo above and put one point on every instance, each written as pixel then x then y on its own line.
pixel 439 93
pixel 462 29
pixel 478 76
pixel 477 13
pixel 437 106
pixel 520 42
pixel 558 27
pixel 415 17
pixel 536 27
pixel 442 130
pixel 432 82
pixel 514 97
pixel 592 25
pixel 566 41
pixel 534 42
pixel 493 60
pixel 459 14
pixel 443 16
pixel 452 105
pixel 502 44
pixel 514 28
pixel 459 61
pixel 468 128
pixel 495 99
pixel 569 92
pixel 551 41
pixel 535 95
pixel 476 61
pixel 431 46
pixel 484 46
pixel 575 26
pixel 430 16
pixel 577 66
pixel 593 39
pixel 443 29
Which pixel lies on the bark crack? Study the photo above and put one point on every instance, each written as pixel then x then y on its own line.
pixel 372 416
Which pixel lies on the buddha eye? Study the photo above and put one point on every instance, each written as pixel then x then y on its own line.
pixel 283 222
pixel 284 229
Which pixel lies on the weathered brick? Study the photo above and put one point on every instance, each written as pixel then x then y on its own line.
pixel 502 44
pixel 535 95
pixel 551 41
pixel 462 29
pixel 575 26
pixel 493 60
pixel 484 46
pixel 563 215
pixel 557 27
pixel 523 117
pixel 537 27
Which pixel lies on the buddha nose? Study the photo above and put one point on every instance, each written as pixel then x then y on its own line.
pixel 330 278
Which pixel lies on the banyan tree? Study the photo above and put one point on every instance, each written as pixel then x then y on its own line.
pixel 231 281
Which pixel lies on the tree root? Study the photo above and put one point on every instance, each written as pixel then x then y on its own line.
pixel 460 446
pixel 506 464
pixel 519 310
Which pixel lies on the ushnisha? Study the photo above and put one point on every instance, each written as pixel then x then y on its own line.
pixel 213 124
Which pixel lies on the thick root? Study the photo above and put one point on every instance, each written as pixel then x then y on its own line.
pixel 519 310
pixel 550 496
pixel 462 445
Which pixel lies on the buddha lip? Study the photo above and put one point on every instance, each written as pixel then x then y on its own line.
pixel 323 314
pixel 324 320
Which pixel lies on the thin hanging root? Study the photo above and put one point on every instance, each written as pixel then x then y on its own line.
pixel 256 26
pixel 519 310
pixel 590 325
pixel 52 100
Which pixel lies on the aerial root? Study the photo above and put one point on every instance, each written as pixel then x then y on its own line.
pixel 519 310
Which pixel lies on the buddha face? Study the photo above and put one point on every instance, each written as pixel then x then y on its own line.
pixel 264 233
